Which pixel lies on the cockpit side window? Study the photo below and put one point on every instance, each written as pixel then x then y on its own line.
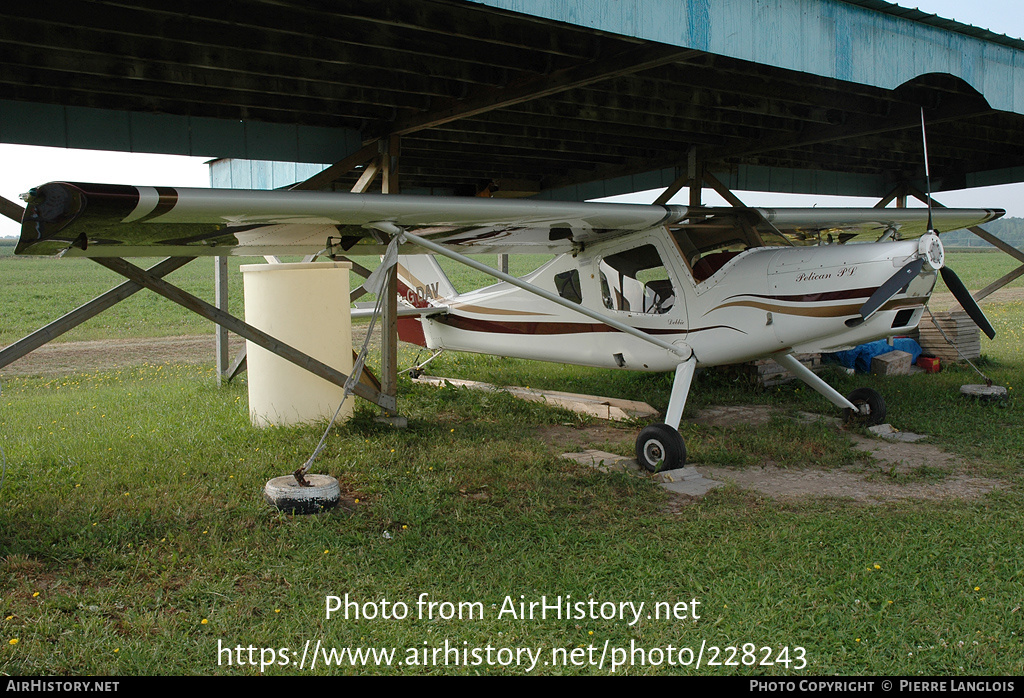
pixel 636 280
pixel 568 286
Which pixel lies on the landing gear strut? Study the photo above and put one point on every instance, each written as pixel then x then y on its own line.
pixel 659 446
pixel 862 407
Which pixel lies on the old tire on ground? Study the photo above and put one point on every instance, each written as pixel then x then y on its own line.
pixel 865 397
pixel 289 496
pixel 660 447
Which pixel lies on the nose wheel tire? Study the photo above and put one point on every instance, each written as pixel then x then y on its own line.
pixel 870 408
pixel 660 447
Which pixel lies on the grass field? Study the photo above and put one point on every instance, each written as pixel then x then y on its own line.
pixel 134 539
pixel 43 289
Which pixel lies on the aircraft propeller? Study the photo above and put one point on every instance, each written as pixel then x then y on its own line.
pixel 967 302
pixel 930 250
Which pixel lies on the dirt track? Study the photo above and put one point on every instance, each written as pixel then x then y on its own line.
pixel 891 477
pixel 76 357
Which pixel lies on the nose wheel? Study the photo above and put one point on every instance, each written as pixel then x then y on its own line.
pixel 660 447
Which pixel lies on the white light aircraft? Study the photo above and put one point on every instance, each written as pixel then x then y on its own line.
pixel 633 287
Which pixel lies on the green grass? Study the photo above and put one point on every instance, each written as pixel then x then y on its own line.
pixel 133 510
pixel 978 269
pixel 43 288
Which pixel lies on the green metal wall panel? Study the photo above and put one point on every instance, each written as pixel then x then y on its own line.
pixel 106 129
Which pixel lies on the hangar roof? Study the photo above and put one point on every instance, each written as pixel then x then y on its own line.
pixel 576 100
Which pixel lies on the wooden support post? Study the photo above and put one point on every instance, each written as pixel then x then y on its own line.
pixel 672 189
pixel 695 172
pixel 220 293
pixel 691 178
pixel 366 179
pixel 898 192
pixel 342 167
pixel 79 315
pixel 201 307
pixel 238 364
pixel 389 153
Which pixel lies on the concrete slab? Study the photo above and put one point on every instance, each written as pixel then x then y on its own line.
pixel 602 460
pixel 678 475
pixel 985 393
pixel 888 431
pixel 686 480
pixel 695 488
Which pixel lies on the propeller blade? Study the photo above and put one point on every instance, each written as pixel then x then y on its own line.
pixel 963 296
pixel 891 287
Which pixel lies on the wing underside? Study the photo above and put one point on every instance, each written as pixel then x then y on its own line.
pixel 98 220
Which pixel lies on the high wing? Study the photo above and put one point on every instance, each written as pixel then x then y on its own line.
pixel 809 225
pixel 98 220
pixel 124 221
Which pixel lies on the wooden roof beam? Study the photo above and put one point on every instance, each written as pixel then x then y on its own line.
pixel 631 60
pixel 340 168
pixel 906 116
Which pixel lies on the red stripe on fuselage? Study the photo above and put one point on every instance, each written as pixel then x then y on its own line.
pixel 461 322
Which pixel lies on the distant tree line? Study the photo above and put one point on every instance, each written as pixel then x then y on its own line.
pixel 1010 230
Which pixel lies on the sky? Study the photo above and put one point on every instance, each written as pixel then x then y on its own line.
pixel 27 166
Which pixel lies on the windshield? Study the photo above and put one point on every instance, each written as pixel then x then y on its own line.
pixel 709 242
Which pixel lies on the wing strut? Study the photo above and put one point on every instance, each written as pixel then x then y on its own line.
pixel 82 313
pixel 683 351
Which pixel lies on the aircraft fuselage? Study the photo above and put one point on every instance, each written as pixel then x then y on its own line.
pixel 728 307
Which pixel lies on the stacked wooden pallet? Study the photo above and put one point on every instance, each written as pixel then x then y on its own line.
pixel 960 330
pixel 767 372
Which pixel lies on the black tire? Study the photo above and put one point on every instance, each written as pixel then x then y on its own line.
pixel 875 408
pixel 660 447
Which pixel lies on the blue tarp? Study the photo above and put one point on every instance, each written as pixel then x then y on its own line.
pixel 859 358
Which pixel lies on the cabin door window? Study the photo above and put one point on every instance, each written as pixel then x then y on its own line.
pixel 637 281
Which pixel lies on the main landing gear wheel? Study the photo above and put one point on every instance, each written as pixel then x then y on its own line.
pixel 870 408
pixel 660 447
